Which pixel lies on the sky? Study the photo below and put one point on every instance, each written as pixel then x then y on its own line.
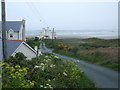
pixel 65 15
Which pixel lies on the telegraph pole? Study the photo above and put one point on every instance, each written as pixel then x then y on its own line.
pixel 4 45
pixel 53 37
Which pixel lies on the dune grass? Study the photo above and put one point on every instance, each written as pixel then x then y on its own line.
pixel 102 52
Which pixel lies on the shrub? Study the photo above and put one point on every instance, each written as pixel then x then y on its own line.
pixel 46 71
pixel 17 60
pixel 14 77
pixel 33 43
pixel 52 72
pixel 20 56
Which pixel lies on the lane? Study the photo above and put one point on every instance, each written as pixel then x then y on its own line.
pixel 103 77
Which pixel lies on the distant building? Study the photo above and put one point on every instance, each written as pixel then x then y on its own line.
pixel 15 30
pixel 47 33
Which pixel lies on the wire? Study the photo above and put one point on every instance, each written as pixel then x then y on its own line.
pixel 36 12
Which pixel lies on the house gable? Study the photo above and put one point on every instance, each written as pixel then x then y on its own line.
pixel 15 46
pixel 18 28
pixel 26 50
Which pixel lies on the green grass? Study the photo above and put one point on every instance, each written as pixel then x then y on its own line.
pixel 97 57
pixel 33 43
pixel 92 42
pixel 51 44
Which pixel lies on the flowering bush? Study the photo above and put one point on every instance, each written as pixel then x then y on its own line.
pixel 46 71
pixel 52 72
pixel 65 47
pixel 14 77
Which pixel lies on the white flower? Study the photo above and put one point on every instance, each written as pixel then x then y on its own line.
pixel 49 80
pixel 47 84
pixel 48 59
pixel 52 65
pixel 43 68
pixel 64 74
pixel 56 57
pixel 54 79
pixel 46 56
pixel 41 85
pixel 37 67
pixel 45 87
pixel 42 64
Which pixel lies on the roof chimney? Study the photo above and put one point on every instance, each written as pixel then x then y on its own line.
pixel 23 20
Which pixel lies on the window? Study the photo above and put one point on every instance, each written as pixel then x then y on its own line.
pixel 11 35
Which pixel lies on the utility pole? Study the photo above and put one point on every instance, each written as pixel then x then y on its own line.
pixel 53 37
pixel 4 45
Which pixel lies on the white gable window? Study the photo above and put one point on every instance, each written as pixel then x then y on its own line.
pixel 11 33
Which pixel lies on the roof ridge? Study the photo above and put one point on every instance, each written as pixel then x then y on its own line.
pixel 14 21
pixel 15 25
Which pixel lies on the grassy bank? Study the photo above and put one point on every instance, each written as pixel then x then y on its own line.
pixel 102 52
pixel 33 43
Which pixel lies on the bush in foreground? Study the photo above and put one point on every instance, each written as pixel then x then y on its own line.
pixel 14 77
pixel 46 71
pixel 50 71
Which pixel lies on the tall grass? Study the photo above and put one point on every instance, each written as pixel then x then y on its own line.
pixel 97 57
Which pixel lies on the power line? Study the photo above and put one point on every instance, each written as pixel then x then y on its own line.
pixel 36 12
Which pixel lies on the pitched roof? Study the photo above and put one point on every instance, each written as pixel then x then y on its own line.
pixel 12 45
pixel 14 25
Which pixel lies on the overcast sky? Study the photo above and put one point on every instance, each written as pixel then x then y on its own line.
pixel 65 15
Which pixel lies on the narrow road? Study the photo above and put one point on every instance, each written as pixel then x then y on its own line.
pixel 102 77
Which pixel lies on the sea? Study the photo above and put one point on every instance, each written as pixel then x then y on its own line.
pixel 78 33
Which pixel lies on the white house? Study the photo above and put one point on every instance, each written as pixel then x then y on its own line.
pixel 47 34
pixel 15 30
pixel 15 46
pixel 15 33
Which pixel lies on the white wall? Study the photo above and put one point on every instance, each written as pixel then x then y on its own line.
pixel 0 34
pixel 20 33
pixel 15 36
pixel 26 51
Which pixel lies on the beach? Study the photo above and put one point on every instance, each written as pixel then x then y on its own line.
pixel 107 34
pixel 77 36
